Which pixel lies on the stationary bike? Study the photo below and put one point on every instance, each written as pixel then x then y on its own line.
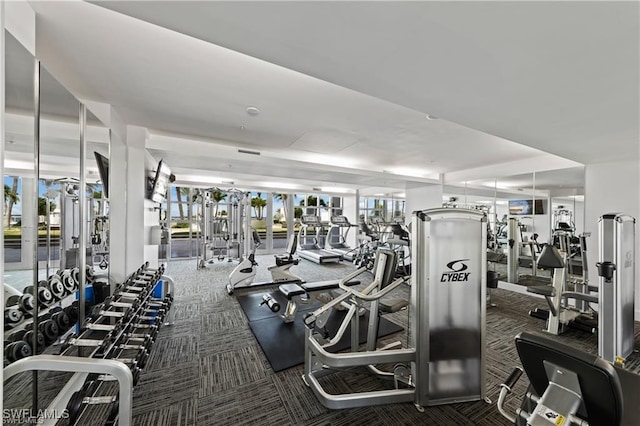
pixel 244 274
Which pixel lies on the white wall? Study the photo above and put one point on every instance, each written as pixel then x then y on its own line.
pixel 422 198
pixel 612 188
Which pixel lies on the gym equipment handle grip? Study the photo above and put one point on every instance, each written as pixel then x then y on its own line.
pixel 513 378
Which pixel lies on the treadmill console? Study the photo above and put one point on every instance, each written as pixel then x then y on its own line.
pixel 340 221
pixel 311 220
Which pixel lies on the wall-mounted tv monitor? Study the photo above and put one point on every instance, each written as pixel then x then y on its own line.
pixel 525 207
pixel 103 170
pixel 160 183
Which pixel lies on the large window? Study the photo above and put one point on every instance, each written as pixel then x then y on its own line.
pixel 184 222
pixel 12 221
pixel 385 209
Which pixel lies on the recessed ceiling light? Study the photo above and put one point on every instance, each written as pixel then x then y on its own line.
pixel 431 117
pixel 251 110
pixel 242 127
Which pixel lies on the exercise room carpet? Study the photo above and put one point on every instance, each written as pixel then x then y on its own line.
pixel 208 370
pixel 283 344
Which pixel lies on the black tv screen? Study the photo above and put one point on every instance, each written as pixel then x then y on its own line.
pixel 103 169
pixel 160 183
pixel 525 207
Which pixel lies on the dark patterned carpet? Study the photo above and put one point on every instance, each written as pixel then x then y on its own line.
pixel 208 369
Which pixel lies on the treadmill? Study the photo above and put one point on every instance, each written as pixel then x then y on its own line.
pixel 308 244
pixel 337 239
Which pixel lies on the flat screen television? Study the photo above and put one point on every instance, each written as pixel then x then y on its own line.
pixel 103 170
pixel 525 207
pixel 160 183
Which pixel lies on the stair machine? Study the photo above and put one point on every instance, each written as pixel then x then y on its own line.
pixel 616 269
pixel 339 227
pixel 310 248
pixel 445 358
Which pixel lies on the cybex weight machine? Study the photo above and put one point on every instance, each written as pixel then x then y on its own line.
pixel 445 360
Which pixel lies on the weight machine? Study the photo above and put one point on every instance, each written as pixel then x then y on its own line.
pixel 569 387
pixel 616 269
pixel 445 360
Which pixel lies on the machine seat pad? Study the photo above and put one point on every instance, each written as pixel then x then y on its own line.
pixel 545 290
pixel 550 258
pixel 393 305
pixel 325 285
pixel 291 290
pixel 580 296
pixel 285 259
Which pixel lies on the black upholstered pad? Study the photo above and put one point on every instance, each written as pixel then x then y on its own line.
pixel 545 290
pixel 291 290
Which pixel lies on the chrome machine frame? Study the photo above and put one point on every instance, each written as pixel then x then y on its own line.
pixel 446 349
pixel 616 268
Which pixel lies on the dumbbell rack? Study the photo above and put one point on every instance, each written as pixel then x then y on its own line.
pixel 57 313
pixel 123 328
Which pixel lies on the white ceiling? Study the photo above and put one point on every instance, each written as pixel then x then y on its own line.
pixel 343 88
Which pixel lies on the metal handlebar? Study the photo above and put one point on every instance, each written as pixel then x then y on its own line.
pixel 111 367
pixel 505 389
pixel 366 296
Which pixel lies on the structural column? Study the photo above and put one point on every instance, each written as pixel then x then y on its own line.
pixel 127 192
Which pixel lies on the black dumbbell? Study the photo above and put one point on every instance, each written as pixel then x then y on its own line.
pixel 41 345
pixel 89 274
pixel 80 399
pixel 17 350
pixel 55 286
pixel 12 300
pixel 67 281
pixel 17 335
pixel 12 316
pixel 25 303
pixel 101 345
pixel 44 296
pixel 50 331
pixel 73 312
pixel 62 319
pixel 75 276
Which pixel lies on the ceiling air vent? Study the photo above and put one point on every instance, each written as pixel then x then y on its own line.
pixel 317 189
pixel 246 151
